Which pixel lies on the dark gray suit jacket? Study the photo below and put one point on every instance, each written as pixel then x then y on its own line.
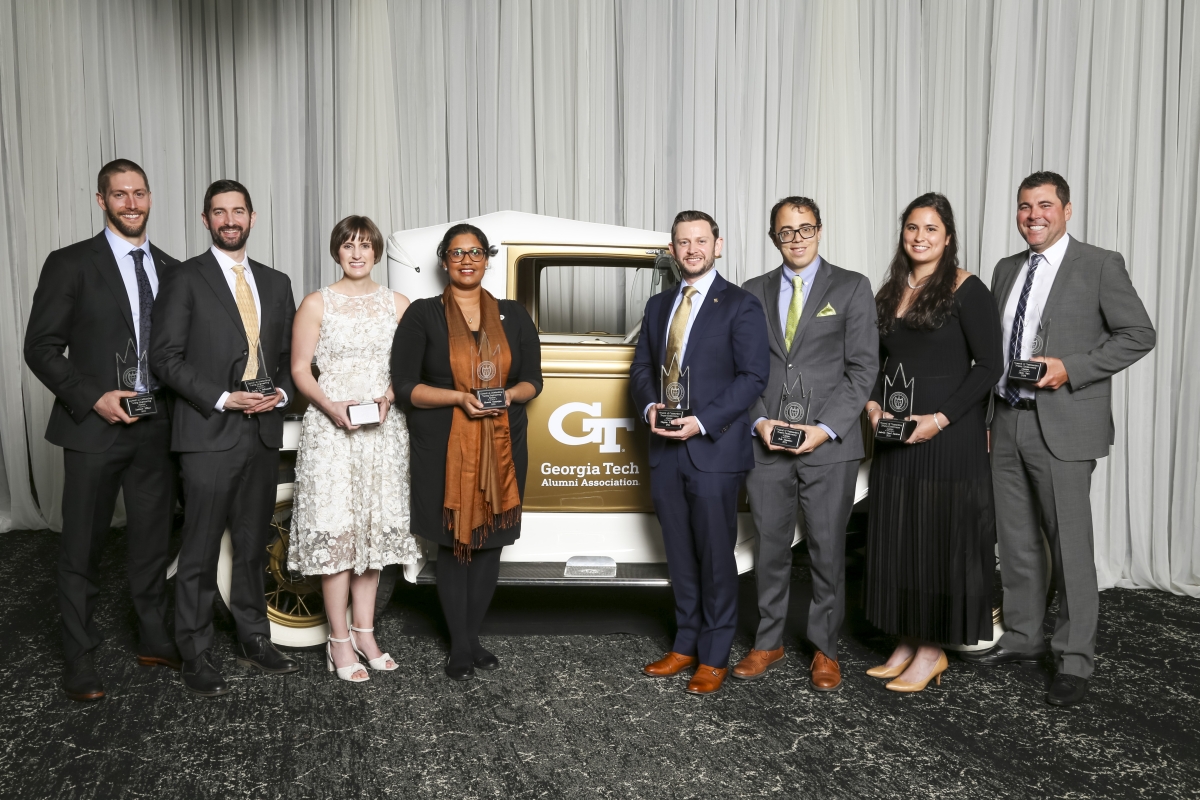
pixel 837 354
pixel 199 349
pixel 1097 327
pixel 80 322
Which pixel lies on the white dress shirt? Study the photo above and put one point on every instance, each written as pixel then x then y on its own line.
pixel 227 264
pixel 701 286
pixel 1043 280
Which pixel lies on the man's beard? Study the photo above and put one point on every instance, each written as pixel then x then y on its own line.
pixel 221 244
pixel 124 227
pixel 683 270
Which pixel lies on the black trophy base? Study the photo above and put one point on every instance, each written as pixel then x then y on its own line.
pixel 140 405
pixel 491 398
pixel 1027 371
pixel 259 386
pixel 895 431
pixel 791 438
pixel 667 418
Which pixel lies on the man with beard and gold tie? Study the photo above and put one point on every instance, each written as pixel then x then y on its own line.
pixel 88 331
pixel 222 342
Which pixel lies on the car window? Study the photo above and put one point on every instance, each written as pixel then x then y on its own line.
pixel 597 300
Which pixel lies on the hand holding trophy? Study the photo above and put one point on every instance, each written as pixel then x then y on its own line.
pixel 135 377
pixel 1027 370
pixel 794 408
pixel 898 396
pixel 674 393
pixel 485 372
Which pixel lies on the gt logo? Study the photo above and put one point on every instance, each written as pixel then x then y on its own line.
pixel 599 431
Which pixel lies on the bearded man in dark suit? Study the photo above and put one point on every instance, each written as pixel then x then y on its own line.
pixel 225 320
pixel 88 329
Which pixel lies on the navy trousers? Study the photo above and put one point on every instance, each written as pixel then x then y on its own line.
pixel 698 514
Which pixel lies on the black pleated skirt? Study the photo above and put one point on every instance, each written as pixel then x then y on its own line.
pixel 931 537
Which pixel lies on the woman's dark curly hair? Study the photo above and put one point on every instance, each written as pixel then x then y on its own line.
pixel 458 230
pixel 935 302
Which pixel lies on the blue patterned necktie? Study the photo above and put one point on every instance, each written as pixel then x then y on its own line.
pixel 1012 393
pixel 145 306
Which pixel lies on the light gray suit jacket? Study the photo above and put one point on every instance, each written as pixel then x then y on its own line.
pixel 1097 327
pixel 837 354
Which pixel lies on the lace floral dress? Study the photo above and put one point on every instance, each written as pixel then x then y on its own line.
pixel 351 508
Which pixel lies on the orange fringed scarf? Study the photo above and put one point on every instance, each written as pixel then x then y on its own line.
pixel 481 480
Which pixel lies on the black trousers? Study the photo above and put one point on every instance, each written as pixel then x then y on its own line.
pixel 234 488
pixel 139 462
pixel 465 590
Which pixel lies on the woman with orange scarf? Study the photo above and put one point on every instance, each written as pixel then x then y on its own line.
pixel 468 462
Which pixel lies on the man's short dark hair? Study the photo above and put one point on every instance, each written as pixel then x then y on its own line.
pixel 1041 179
pixel 354 227
pixel 116 167
pixel 795 201
pixel 221 187
pixel 695 216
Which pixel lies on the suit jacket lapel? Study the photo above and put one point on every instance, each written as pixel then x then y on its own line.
pixel 107 265
pixel 707 310
pixel 211 270
pixel 263 284
pixel 820 287
pixel 770 301
pixel 1056 289
pixel 1005 286
pixel 661 320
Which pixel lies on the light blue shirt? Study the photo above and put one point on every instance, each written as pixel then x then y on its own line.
pixel 808 275
pixel 123 253
pixel 702 287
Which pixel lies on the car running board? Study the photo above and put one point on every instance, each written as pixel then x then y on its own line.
pixel 550 573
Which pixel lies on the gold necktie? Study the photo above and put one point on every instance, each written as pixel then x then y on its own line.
pixel 675 334
pixel 795 309
pixel 249 314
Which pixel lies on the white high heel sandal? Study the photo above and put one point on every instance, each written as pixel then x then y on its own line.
pixel 346 673
pixel 374 663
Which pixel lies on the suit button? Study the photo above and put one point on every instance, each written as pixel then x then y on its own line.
pixel 789 366
pixel 243 352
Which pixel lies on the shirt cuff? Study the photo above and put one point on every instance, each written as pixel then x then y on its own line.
pixel 220 405
pixel 827 430
pixel 754 427
pixel 646 413
pixel 283 403
pixel 700 425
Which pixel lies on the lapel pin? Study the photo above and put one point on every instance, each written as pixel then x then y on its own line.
pixel 716 299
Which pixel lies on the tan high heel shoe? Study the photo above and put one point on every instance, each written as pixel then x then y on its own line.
pixel 935 674
pixel 884 671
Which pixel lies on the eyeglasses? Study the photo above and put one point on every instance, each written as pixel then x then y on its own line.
pixel 789 234
pixel 458 254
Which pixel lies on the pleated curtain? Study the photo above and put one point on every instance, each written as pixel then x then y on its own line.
pixel 418 112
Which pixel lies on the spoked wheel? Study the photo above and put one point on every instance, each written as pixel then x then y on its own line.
pixel 295 607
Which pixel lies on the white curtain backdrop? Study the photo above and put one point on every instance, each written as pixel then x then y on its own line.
pixel 417 112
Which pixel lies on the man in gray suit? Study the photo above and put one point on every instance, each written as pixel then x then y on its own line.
pixel 1072 306
pixel 825 351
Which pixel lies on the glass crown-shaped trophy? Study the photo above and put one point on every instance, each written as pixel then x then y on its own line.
pixel 795 408
pixel 674 392
pixel 1027 371
pixel 485 374
pixel 898 393
pixel 260 384
pixel 133 375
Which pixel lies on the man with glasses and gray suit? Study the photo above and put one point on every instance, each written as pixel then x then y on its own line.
pixel 824 350
pixel 1072 308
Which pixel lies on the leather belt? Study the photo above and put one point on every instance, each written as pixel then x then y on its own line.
pixel 1025 404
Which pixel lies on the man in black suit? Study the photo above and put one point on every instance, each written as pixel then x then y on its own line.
pixel 224 320
pixel 90 321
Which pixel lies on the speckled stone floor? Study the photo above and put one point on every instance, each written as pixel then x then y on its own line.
pixel 570 716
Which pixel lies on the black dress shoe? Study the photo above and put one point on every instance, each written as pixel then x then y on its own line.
pixel 259 652
pixel 997 655
pixel 1066 690
pixel 482 659
pixel 160 655
pixel 201 677
pixel 459 673
pixel 80 680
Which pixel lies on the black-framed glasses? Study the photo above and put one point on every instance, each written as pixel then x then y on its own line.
pixel 789 234
pixel 458 254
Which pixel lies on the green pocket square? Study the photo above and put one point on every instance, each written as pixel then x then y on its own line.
pixel 827 311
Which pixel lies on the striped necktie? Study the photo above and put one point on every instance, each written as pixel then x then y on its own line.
pixel 1012 392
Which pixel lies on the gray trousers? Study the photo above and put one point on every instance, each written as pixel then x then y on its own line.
pixel 1036 492
pixel 826 496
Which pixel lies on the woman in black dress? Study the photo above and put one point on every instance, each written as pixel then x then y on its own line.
pixel 468 462
pixel 931 532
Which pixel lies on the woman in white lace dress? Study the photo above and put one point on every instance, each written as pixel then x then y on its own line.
pixel 350 517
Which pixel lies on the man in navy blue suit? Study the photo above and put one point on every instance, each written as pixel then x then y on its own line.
pixel 710 338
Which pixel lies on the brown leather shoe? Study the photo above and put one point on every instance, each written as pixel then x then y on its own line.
pixel 756 663
pixel 826 674
pixel 707 680
pixel 671 664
